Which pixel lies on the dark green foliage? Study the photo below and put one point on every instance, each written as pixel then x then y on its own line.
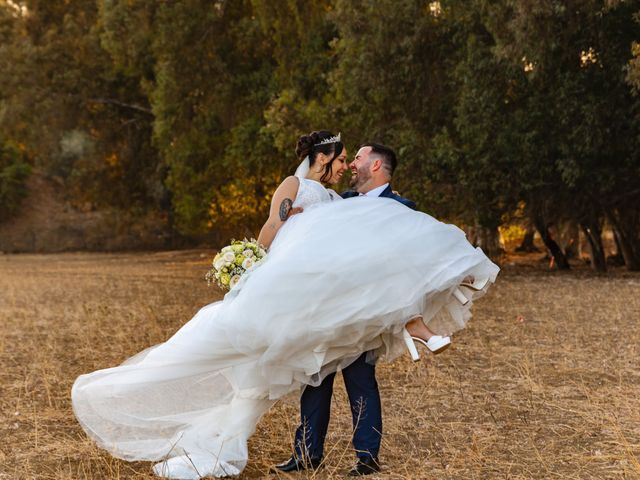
pixel 14 171
pixel 81 118
pixel 544 115
pixel 498 110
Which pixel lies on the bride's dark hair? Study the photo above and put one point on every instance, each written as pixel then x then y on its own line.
pixel 308 145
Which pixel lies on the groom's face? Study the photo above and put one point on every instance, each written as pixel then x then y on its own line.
pixel 361 169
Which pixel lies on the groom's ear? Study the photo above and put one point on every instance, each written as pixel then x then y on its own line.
pixel 376 165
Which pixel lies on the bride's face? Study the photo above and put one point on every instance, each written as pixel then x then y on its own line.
pixel 338 167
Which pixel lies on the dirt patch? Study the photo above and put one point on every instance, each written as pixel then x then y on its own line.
pixel 543 383
pixel 48 223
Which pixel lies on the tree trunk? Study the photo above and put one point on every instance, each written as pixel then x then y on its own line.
pixel 625 243
pixel 616 239
pixel 472 236
pixel 488 239
pixel 527 242
pixel 557 253
pixel 616 259
pixel 593 233
pixel 570 238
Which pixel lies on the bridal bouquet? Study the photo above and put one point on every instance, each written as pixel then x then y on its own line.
pixel 233 261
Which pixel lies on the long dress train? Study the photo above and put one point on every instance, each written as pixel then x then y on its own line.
pixel 341 278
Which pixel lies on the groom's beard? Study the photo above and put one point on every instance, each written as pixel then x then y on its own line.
pixel 361 178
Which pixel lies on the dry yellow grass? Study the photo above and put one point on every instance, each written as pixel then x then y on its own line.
pixel 556 395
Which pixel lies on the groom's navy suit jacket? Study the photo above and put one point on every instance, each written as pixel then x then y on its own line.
pixel 388 193
pixel 364 397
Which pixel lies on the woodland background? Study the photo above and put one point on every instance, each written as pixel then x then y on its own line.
pixel 178 118
pixel 166 124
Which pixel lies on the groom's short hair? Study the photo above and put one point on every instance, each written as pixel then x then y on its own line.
pixel 386 154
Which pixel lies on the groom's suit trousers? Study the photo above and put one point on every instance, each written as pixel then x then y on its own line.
pixel 364 398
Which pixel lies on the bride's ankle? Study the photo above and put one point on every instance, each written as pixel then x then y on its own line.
pixel 417 328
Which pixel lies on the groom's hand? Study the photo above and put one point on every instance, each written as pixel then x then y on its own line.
pixel 294 211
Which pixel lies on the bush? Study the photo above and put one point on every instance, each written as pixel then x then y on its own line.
pixel 14 171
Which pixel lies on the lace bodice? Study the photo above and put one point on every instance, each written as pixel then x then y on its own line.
pixel 311 192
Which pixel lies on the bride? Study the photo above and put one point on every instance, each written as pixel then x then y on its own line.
pixel 342 278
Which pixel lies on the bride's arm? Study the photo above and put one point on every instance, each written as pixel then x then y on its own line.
pixel 281 204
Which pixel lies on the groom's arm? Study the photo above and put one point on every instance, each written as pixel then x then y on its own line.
pixel 405 201
pixel 295 211
pixel 409 203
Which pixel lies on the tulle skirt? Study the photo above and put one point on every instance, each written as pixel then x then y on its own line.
pixel 341 278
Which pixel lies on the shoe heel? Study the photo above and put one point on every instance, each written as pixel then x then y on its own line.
pixel 460 296
pixel 476 286
pixel 411 346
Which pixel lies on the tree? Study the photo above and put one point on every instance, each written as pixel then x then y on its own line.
pixel 392 84
pixel 14 171
pixel 81 120
pixel 207 74
pixel 576 53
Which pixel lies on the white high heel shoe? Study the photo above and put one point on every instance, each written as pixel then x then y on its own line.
pixel 476 286
pixel 460 296
pixel 436 344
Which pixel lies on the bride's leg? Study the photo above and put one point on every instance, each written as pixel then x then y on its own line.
pixel 417 328
pixel 416 331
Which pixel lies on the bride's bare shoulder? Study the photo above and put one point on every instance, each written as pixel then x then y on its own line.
pixel 288 188
pixel 291 180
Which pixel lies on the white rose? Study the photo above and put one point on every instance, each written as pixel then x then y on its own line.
pixel 262 252
pixel 226 249
pixel 219 263
pixel 248 253
pixel 234 281
pixel 229 256
pixel 248 263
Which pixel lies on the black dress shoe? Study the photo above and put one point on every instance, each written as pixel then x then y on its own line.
pixel 295 464
pixel 365 466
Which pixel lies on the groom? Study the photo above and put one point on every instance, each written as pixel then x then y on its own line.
pixel 371 169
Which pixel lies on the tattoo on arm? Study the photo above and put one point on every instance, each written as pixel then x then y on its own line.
pixel 272 226
pixel 285 208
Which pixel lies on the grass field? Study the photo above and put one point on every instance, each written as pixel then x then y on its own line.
pixel 543 383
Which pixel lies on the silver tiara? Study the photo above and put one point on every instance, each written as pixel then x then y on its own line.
pixel 334 139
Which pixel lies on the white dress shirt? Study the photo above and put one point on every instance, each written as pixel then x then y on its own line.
pixel 376 191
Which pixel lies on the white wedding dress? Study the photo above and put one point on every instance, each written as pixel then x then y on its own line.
pixel 341 278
